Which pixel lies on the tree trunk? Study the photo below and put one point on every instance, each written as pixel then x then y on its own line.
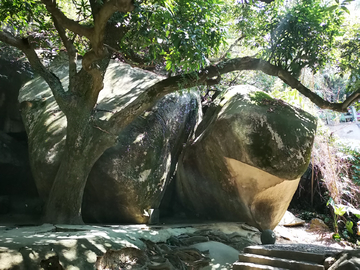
pixel 65 198
pixel 82 149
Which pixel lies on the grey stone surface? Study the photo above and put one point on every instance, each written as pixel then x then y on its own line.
pixel 219 253
pixel 302 248
pixel 247 158
pixel 345 260
pixel 131 177
pixel 349 264
pixel 289 220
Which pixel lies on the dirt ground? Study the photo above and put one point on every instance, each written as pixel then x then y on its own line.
pixel 349 132
pixel 303 235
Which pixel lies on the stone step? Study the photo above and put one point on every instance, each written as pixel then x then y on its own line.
pixel 278 262
pixel 317 258
pixel 254 266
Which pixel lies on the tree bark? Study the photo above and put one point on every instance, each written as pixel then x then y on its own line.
pixel 65 198
pixel 84 145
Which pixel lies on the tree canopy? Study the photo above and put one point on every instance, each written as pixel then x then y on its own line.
pixel 182 36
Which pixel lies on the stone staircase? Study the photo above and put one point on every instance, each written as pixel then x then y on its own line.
pixel 281 257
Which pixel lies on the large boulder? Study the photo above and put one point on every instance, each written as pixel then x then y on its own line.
pixel 247 159
pixel 131 177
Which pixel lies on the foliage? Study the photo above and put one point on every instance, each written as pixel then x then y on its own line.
pixel 339 166
pixel 24 16
pixel 352 155
pixel 252 21
pixel 294 35
pixel 182 33
pixel 30 19
pixel 290 96
pixel 339 210
pixel 303 36
pixel 350 57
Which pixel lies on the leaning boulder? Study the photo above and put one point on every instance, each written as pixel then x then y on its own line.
pixel 131 177
pixel 247 159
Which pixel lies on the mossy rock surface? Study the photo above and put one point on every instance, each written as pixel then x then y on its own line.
pixel 247 159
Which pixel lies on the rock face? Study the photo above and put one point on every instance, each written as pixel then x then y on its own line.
pixel 131 177
pixel 17 185
pixel 13 73
pixel 15 176
pixel 247 159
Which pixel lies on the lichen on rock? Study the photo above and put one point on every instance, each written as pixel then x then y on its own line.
pixel 246 161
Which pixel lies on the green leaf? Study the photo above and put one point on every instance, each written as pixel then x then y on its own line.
pixel 168 65
pixel 329 9
pixel 336 237
pixel 345 9
pixel 349 226
pixel 330 202
pixel 339 210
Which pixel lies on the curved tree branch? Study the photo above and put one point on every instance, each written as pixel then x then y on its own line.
pixel 103 15
pixel 206 76
pixel 71 51
pixel 65 22
pixel 95 34
pixel 53 81
pixel 95 6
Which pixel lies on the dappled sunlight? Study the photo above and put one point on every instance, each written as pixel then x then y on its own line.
pixel 70 255
pixel 38 89
pixel 77 247
pixel 9 258
pixel 139 138
pixel 72 247
pixel 117 94
pixel 68 243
